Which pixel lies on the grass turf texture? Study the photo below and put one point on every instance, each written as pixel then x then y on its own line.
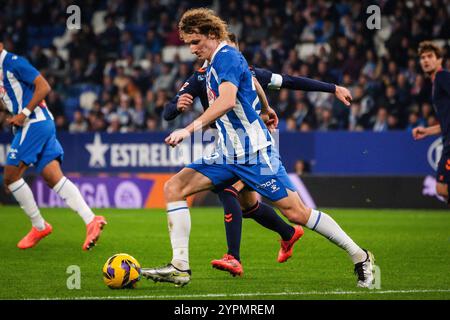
pixel 412 249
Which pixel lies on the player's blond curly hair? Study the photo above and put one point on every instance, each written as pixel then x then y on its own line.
pixel 203 21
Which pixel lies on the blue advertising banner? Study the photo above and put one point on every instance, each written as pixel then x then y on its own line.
pixel 331 153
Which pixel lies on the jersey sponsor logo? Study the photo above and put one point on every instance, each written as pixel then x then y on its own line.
pixel 211 95
pixel 434 153
pixel 2 88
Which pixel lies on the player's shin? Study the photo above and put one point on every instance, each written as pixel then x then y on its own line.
pixel 266 216
pixel 233 220
pixel 24 196
pixel 73 198
pixel 325 225
pixel 179 222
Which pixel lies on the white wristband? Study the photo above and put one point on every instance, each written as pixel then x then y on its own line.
pixel 26 112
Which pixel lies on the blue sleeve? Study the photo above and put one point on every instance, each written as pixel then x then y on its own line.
pixel 23 70
pixel 306 84
pixel 228 67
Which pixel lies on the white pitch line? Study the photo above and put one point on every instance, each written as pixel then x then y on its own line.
pixel 254 294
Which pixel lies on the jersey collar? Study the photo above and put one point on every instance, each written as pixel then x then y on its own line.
pixel 2 57
pixel 220 46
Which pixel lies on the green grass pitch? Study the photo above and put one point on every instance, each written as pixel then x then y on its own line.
pixel 411 247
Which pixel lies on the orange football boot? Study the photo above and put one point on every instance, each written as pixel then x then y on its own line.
pixel 287 246
pixel 34 236
pixel 230 264
pixel 93 230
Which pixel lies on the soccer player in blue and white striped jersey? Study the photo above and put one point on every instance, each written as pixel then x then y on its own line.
pixel 247 153
pixel 23 90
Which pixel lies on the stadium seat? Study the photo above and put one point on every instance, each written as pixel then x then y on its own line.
pixel 32 32
pixel 87 100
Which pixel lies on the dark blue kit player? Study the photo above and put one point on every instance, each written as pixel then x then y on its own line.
pixel 431 63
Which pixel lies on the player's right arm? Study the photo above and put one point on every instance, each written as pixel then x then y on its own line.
pixel 422 132
pixel 224 103
pixel 24 71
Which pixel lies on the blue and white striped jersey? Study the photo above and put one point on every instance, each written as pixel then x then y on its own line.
pixel 241 130
pixel 16 86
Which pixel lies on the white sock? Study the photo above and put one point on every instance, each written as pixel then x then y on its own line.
pixel 22 193
pixel 326 226
pixel 72 196
pixel 179 221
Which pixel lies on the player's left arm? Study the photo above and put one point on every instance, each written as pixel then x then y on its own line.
pixel 224 103
pixel 307 84
pixel 284 81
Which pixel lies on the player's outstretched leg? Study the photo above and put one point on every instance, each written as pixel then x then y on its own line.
pixel 184 183
pixel 231 261
pixel 24 196
pixel 65 188
pixel 294 209
pixel 177 271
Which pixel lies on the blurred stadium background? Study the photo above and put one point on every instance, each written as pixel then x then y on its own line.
pixel 112 78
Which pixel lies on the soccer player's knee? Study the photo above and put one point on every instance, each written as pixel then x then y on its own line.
pixel 172 189
pixel 296 215
pixel 9 179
